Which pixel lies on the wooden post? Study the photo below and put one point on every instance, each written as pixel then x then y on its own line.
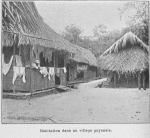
pixel 96 72
pixel 54 67
pixel 144 80
pixel 132 79
pixel 127 81
pixel 14 58
pixel 139 80
pixel 31 91
pixel 115 79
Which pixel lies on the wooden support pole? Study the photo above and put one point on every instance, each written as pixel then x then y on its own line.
pixel 14 58
pixel 31 91
pixel 15 44
pixel 54 67
pixel 127 81
pixel 115 79
pixel 144 80
pixel 132 79
pixel 139 81
pixel 96 72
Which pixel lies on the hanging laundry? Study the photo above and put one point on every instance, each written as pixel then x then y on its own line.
pixel 36 64
pixel 48 54
pixel 57 70
pixel 43 71
pixel 25 55
pixel 36 52
pixel 65 70
pixel 19 72
pixel 18 61
pixel 6 67
pixel 51 72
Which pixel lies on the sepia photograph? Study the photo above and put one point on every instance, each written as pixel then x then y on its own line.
pixel 75 62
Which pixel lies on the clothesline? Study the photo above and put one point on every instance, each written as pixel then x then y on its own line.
pixel 19 70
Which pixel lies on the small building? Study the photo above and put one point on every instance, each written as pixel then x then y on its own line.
pixel 82 66
pixel 126 62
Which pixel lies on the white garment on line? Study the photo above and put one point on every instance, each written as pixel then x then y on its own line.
pixel 18 61
pixel 43 71
pixel 34 65
pixel 6 67
pixel 51 72
pixel 64 69
pixel 19 72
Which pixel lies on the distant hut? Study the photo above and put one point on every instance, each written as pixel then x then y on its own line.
pixel 126 62
pixel 82 66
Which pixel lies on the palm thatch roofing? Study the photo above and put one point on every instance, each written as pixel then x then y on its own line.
pixel 84 56
pixel 127 55
pixel 22 19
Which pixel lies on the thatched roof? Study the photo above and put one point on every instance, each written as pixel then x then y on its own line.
pixel 128 55
pixel 84 56
pixel 23 18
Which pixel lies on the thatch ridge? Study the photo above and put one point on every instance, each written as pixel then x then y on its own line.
pixel 122 43
pixel 128 55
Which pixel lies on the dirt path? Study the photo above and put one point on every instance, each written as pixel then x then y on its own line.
pixel 84 105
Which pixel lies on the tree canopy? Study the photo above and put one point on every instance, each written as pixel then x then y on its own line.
pixel 102 39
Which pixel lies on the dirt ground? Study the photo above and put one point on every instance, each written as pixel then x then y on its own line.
pixel 86 104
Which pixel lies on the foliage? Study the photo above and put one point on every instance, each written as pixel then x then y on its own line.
pixel 72 33
pixel 102 39
pixel 139 23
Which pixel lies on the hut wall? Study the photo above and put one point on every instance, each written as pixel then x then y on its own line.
pixel 129 81
pixel 90 73
pixel 73 72
pixel 41 83
pixel 60 63
pixel 38 81
pixel 19 85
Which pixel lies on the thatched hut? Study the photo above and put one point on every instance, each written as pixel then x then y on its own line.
pixel 83 65
pixel 126 62
pixel 25 35
pixel 26 39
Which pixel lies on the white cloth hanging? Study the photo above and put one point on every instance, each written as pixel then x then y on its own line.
pixel 64 69
pixel 6 67
pixel 18 61
pixel 43 71
pixel 19 72
pixel 51 72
